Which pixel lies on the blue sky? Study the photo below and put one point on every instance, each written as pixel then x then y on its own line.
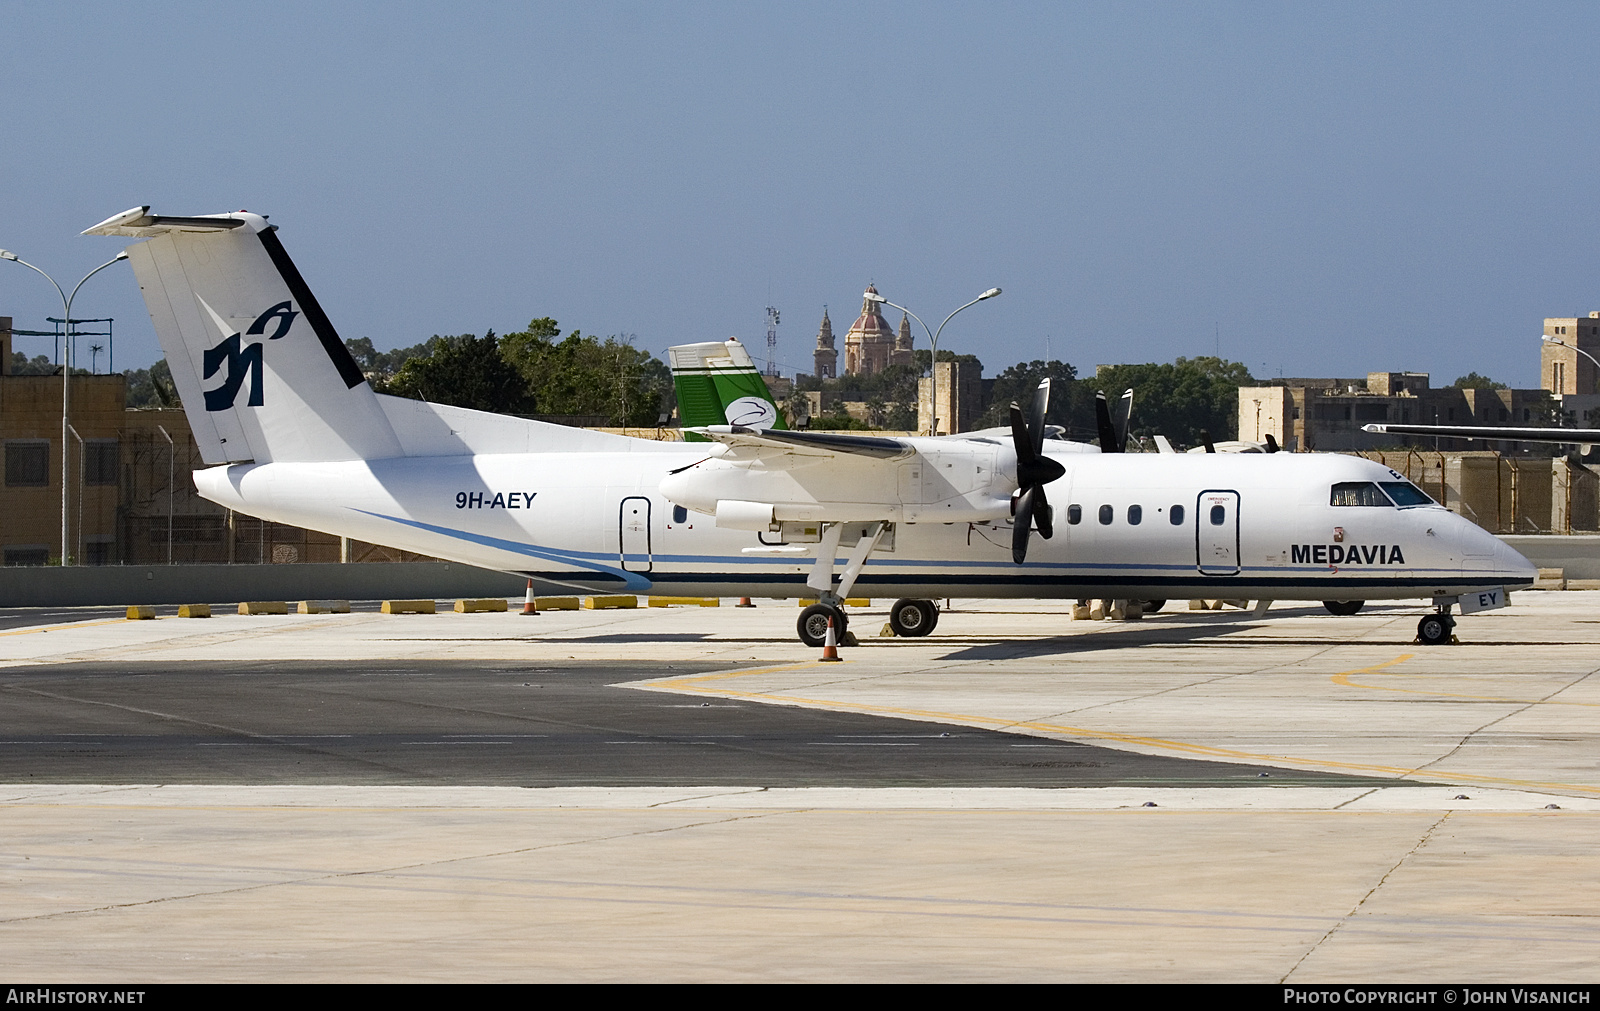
pixel 1321 189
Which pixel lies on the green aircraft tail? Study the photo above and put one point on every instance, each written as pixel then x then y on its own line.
pixel 718 384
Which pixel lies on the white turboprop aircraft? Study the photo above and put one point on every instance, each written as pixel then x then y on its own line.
pixel 296 435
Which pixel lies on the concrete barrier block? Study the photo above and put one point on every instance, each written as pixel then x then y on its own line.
pixel 194 610
pixel 618 600
pixel 1583 584
pixel 409 607
pixel 264 607
pixel 1551 579
pixel 324 607
pixel 556 603
pixel 470 605
pixel 141 612
pixel 683 602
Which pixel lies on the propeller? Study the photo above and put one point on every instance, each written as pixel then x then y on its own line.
pixel 1034 471
pixel 1272 443
pixel 1205 440
pixel 1108 431
pixel 1113 428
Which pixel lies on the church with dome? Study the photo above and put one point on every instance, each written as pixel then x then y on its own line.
pixel 870 346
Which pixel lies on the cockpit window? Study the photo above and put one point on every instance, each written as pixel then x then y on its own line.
pixel 1357 493
pixel 1405 493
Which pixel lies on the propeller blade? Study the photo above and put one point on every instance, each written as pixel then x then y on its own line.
pixel 1102 417
pixel 1272 444
pixel 1041 510
pixel 1205 440
pixel 1122 419
pixel 1041 404
pixel 1021 524
pixel 1021 441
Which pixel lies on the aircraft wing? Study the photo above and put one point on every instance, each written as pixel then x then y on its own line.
pixel 819 443
pixel 1567 436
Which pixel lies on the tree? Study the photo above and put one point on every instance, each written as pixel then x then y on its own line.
pixel 152 387
pixel 1180 399
pixel 380 366
pixel 1017 385
pixel 465 371
pixel 38 365
pixel 1473 381
pixel 584 375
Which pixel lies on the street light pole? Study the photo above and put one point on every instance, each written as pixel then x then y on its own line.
pixel 933 343
pixel 66 373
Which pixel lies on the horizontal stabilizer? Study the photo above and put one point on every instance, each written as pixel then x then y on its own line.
pixel 825 443
pixel 1563 436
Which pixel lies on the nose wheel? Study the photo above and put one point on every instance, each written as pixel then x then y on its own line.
pixel 1435 629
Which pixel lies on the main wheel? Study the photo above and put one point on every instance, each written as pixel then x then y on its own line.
pixel 1152 606
pixel 913 618
pixel 1343 608
pixel 1435 629
pixel 813 625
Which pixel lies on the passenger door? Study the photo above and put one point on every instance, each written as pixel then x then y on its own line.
pixel 633 520
pixel 1216 533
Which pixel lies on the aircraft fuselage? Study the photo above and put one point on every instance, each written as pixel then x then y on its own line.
pixel 1147 526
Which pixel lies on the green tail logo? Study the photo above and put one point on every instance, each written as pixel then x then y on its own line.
pixel 718 384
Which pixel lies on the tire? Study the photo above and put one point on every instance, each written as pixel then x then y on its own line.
pixel 1343 608
pixel 813 625
pixel 1435 629
pixel 1152 606
pixel 913 618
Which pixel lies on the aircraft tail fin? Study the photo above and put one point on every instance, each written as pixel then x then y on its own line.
pixel 262 372
pixel 717 384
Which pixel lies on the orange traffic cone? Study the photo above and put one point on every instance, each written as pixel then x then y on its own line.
pixel 830 645
pixel 528 606
pixel 744 602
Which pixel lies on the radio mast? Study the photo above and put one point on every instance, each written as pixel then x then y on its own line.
pixel 772 341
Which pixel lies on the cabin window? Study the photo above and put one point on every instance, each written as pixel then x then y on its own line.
pixel 1177 515
pixel 1219 515
pixel 1405 493
pixel 1074 514
pixel 1105 516
pixel 1135 515
pixel 1357 493
pixel 680 514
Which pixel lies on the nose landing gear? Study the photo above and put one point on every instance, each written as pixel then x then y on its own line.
pixel 1436 629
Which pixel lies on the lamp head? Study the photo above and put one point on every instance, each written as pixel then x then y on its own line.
pixel 6 254
pixel 120 256
pixel 1545 337
pixel 991 293
pixel 872 296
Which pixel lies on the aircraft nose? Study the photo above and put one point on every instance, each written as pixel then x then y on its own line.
pixel 1511 561
pixel 1483 550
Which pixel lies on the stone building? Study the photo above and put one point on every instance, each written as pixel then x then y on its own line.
pixel 825 357
pixel 870 345
pixel 1328 414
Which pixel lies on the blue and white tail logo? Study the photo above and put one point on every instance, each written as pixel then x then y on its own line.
pixel 243 361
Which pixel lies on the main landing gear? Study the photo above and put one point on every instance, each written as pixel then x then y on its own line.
pixel 1343 608
pixel 813 624
pixel 912 618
